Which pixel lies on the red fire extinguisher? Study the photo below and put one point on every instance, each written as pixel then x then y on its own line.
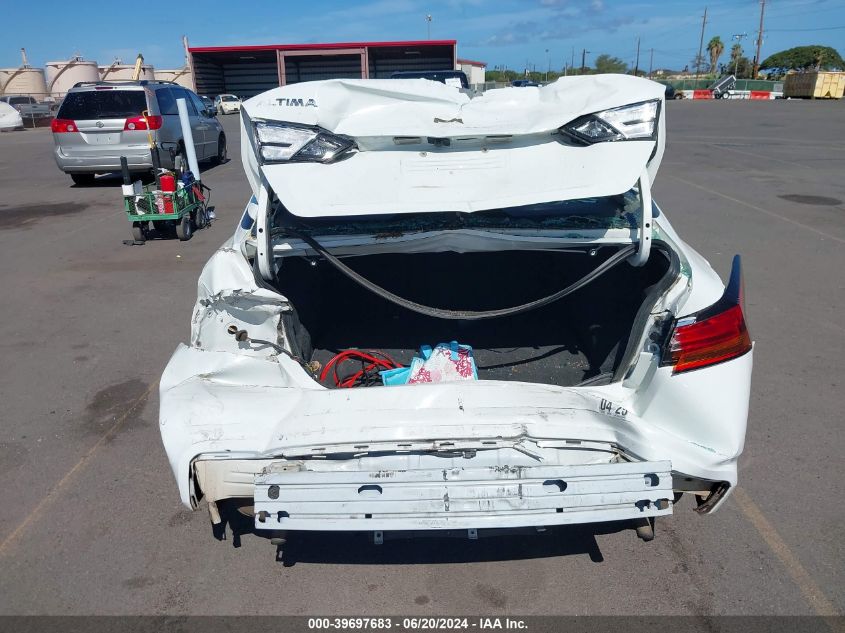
pixel 168 188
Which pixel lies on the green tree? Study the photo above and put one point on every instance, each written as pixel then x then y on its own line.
pixel 736 53
pixel 607 64
pixel 803 58
pixel 697 62
pixel 744 68
pixel 715 48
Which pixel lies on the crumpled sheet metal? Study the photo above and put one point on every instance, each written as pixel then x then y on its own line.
pixel 227 294
pixel 419 107
pixel 534 167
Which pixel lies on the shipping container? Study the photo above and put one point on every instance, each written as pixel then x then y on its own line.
pixel 815 85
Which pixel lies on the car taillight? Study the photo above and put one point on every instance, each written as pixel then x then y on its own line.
pixel 60 126
pixel 140 123
pixel 707 342
pixel 714 335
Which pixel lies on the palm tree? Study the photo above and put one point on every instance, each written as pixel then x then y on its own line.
pixel 715 47
pixel 736 53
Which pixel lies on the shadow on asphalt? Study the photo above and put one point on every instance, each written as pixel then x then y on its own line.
pixel 453 546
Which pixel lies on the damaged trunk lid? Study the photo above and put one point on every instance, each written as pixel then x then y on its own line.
pixel 418 146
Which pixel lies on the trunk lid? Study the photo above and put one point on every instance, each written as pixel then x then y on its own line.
pixel 502 148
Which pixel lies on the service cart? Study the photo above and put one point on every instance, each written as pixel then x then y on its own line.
pixel 175 202
pixel 181 210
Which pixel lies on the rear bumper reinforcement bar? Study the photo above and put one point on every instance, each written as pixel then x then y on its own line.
pixel 461 498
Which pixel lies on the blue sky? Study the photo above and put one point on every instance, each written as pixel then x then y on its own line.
pixel 515 33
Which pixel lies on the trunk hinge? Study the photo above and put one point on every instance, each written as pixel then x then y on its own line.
pixel 262 235
pixel 644 248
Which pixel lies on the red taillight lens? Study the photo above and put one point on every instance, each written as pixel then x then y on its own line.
pixel 708 341
pixel 140 123
pixel 60 126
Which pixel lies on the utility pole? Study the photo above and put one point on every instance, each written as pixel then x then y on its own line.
pixel 572 61
pixel 548 64
pixel 738 37
pixel 700 45
pixel 650 61
pixel 428 24
pixel 637 63
pixel 756 66
pixel 583 59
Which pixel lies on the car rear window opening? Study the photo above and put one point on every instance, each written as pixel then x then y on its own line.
pixel 103 104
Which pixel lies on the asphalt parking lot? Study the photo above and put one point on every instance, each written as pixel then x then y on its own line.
pixel 90 521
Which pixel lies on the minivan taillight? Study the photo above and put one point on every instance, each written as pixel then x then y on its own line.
pixel 140 123
pixel 60 126
pixel 714 335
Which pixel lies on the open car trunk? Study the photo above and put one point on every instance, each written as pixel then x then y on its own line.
pixel 581 337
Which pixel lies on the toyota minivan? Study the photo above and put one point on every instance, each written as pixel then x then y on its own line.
pixel 98 122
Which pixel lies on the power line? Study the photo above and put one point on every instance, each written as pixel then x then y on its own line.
pixel 824 28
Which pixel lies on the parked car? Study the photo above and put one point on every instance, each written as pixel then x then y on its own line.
pixel 97 123
pixel 10 119
pixel 208 102
pixel 406 332
pixel 28 107
pixel 454 78
pixel 227 104
pixel 524 83
pixel 669 90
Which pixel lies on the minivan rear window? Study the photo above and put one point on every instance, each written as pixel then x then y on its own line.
pixel 103 104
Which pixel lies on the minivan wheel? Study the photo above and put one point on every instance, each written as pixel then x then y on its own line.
pixel 82 179
pixel 221 150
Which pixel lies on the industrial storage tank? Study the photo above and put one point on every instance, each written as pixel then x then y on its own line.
pixel 23 81
pixel 119 71
pixel 181 76
pixel 61 76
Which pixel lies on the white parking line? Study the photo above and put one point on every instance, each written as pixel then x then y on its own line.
pixel 811 590
pixel 760 209
pixel 80 465
pixel 791 163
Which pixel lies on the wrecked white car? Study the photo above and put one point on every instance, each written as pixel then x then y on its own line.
pixel 450 313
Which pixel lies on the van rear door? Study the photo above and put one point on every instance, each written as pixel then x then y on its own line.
pixel 103 117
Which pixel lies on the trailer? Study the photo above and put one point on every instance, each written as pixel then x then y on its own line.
pixel 722 86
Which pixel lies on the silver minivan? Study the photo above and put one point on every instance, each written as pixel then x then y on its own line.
pixel 98 122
